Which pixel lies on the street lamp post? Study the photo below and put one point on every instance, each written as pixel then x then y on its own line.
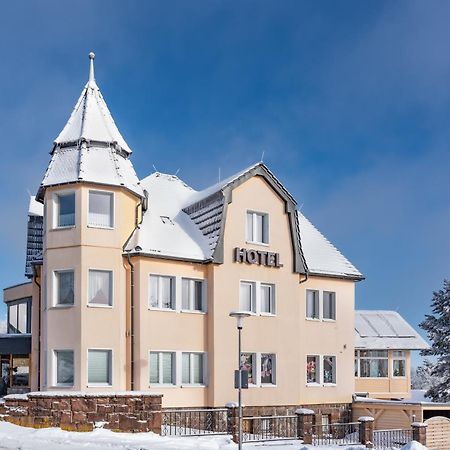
pixel 239 316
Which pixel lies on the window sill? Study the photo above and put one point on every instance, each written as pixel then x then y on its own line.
pixel 329 384
pixel 62 386
pixel 94 305
pixel 152 308
pixel 68 227
pixel 98 227
pixel 399 377
pixel 96 385
pixel 192 386
pixel 188 311
pixel 313 385
pixel 62 306
pixel 312 319
pixel 264 314
pixel 372 378
pixel 329 320
pixel 263 244
pixel 161 386
pixel 267 385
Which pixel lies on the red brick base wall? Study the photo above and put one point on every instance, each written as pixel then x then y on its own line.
pixel 128 412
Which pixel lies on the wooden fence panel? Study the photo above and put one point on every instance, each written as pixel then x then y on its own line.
pixel 438 433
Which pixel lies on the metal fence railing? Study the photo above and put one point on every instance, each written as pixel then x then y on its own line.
pixel 336 434
pixel 386 439
pixel 193 422
pixel 269 428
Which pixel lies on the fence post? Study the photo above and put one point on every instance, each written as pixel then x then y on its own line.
pixel 366 431
pixel 419 432
pixel 304 424
pixel 233 420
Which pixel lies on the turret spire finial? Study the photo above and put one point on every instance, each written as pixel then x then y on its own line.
pixel 91 68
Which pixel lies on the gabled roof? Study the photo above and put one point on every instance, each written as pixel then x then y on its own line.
pixel 90 148
pixel 91 120
pixel 381 330
pixel 322 257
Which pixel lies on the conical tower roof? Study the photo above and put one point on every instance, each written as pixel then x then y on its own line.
pixel 91 119
pixel 90 147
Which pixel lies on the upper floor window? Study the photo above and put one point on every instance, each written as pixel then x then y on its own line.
pixel 18 317
pixel 329 305
pixel 257 227
pixel 399 363
pixel 162 292
pixel 101 209
pixel 371 363
pixel 312 304
pixel 64 292
pixel 65 210
pixel 267 293
pixel 257 297
pixel 192 295
pixel 100 287
pixel 247 296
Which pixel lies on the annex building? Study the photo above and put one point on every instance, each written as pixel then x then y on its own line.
pixel 132 283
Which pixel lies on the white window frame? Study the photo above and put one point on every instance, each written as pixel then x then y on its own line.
pixel 318 305
pixel 160 368
pixel 111 365
pixel 56 196
pixel 321 382
pixel 266 231
pixel 322 308
pixel 98 305
pixel 191 291
pixel 358 359
pixel 318 370
pixel 174 292
pixel 55 282
pixel 191 369
pixel 55 367
pixel 398 358
pixel 113 203
pixel 257 369
pixel 256 297
pixel 253 294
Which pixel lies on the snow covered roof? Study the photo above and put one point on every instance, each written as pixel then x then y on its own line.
pixel 376 330
pixel 35 208
pixel 91 119
pixel 322 257
pixel 90 148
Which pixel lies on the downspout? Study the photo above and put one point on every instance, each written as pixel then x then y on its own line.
pixel 305 279
pixel 39 328
pixel 131 321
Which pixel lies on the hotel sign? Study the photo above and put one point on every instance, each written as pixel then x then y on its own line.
pixel 259 257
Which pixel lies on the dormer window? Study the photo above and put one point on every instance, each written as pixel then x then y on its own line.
pixel 101 209
pixel 257 227
pixel 65 210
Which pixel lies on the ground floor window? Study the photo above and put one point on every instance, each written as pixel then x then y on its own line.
pixel 100 367
pixel 320 369
pixel 64 367
pixel 267 368
pixel 261 368
pixel 193 368
pixel 371 363
pixel 399 363
pixel 162 368
pixel 248 364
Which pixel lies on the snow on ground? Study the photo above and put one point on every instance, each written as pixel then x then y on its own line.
pixel 13 437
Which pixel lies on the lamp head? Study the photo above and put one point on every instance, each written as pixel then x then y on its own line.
pixel 239 316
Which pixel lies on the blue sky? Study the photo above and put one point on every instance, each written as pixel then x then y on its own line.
pixel 349 101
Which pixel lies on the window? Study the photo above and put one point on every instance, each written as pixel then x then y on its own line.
pixel 192 295
pixel 329 305
pixel 372 363
pixel 18 317
pixel 267 298
pixel 20 374
pixel 99 366
pixel 162 368
pixel 312 369
pixel 193 368
pixel 64 287
pixel 162 292
pixel 101 209
pixel 399 363
pixel 248 364
pixel 100 287
pixel 247 296
pixel 257 227
pixel 64 367
pixel 329 369
pixel 326 421
pixel 312 304
pixel 267 368
pixel 65 210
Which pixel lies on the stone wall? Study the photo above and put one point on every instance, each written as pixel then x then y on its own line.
pixel 128 411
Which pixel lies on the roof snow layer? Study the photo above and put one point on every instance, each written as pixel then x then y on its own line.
pixel 375 330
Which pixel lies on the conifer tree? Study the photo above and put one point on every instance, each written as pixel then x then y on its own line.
pixel 437 326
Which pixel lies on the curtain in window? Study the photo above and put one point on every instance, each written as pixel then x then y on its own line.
pixel 99 366
pixel 13 326
pixel 186 368
pixel 267 368
pixel 154 368
pixel 154 291
pixel 312 304
pixel 312 369
pixel 167 365
pixel 329 305
pixel 101 209
pixel 191 294
pixel 166 292
pixel 329 369
pixel 66 210
pixel 249 226
pixel 100 287
pixel 266 298
pixel 65 288
pixel 247 364
pixel 22 317
pixel 259 227
pixel 64 367
pixel 197 363
pixel 198 295
pixel 246 296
